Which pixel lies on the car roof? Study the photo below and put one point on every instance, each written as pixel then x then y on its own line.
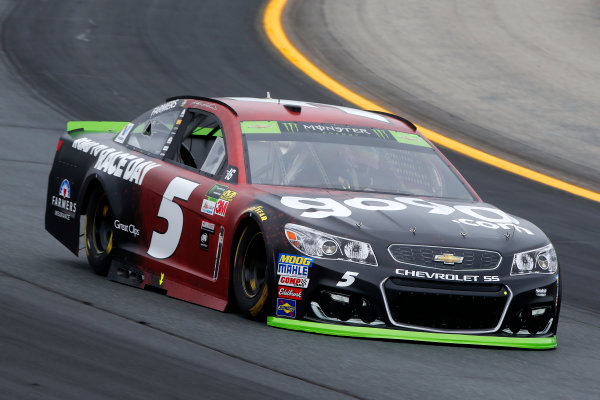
pixel 259 109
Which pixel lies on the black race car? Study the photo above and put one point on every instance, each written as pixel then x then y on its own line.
pixel 322 218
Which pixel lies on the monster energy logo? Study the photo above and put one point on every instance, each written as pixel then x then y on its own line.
pixel 381 134
pixel 290 126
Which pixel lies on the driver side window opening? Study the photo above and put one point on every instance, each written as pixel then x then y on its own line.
pixel 150 135
pixel 202 147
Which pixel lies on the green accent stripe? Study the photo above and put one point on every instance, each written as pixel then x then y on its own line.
pixel 397 334
pixel 259 127
pixel 410 138
pixel 201 131
pixel 79 127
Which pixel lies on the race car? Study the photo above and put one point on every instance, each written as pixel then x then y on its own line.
pixel 315 217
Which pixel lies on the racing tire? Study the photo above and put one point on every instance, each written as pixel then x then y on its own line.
pixel 250 274
pixel 98 232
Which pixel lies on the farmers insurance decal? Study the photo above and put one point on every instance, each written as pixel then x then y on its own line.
pixel 66 207
pixel 323 207
pixel 116 163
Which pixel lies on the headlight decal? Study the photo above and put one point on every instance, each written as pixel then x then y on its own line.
pixel 331 247
pixel 537 261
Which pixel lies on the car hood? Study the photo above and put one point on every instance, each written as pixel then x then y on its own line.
pixel 383 219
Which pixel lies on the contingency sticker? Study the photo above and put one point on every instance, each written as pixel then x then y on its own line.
pixel 293 265
pixel 249 127
pixel 216 191
pixel 293 281
pixel 286 308
pixel 124 133
pixel 208 207
pixel 410 138
pixel 289 293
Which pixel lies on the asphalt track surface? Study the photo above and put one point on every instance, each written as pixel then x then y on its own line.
pixel 66 333
pixel 517 78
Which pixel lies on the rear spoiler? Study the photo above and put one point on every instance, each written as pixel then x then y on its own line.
pixel 76 128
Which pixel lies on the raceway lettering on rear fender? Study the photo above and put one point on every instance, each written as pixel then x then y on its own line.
pixel 323 207
pixel 119 164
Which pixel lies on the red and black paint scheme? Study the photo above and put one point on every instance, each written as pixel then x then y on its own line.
pixel 177 201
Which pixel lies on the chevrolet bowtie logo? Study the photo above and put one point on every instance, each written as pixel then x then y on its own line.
pixel 448 259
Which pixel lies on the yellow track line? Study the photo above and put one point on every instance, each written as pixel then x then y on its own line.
pixel 274 30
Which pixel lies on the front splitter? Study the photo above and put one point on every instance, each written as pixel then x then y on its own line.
pixel 542 343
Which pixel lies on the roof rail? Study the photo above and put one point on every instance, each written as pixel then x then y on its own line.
pixel 203 98
pixel 407 122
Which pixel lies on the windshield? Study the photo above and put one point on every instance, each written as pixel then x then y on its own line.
pixel 345 157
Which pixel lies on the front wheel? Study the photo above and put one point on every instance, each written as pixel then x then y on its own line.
pixel 250 274
pixel 98 232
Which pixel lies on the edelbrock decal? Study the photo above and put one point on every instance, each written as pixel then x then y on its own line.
pixel 119 164
pixel 289 292
pixel 323 207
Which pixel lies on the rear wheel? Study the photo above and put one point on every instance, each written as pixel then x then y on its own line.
pixel 250 274
pixel 99 232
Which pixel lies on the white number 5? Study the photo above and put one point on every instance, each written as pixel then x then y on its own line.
pixel 347 279
pixel 163 245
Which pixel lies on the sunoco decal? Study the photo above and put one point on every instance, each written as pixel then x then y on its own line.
pixel 119 164
pixel 286 308
pixel 293 265
pixel 480 216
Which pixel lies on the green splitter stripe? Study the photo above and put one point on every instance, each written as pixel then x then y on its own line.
pixel 259 127
pixel 79 127
pixel 397 334
pixel 410 138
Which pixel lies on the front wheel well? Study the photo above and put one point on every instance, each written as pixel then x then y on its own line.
pixel 246 223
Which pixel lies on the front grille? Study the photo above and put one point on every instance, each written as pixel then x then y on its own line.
pixel 445 306
pixel 423 256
